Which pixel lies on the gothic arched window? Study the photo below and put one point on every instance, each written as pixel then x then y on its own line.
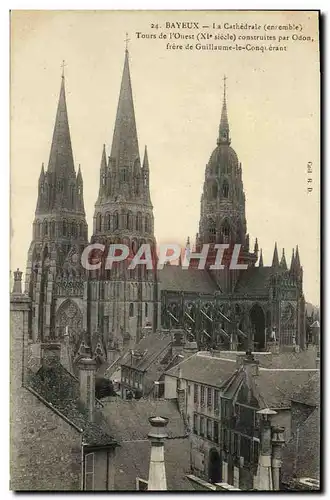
pixel 147 224
pixel 146 309
pixel 225 189
pixel 212 230
pixel 123 175
pixel 45 228
pixel 214 190
pixel 131 310
pixel 116 220
pixel 129 220
pixel 108 222
pixel 98 222
pixel 225 231
pixel 139 221
pixel 52 228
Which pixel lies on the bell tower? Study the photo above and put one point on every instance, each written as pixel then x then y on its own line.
pixel 222 219
pixel 54 275
pixel 122 301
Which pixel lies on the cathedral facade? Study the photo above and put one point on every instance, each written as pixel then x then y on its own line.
pixel 106 311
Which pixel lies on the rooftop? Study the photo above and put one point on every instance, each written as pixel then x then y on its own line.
pixel 204 369
pixel 301 455
pixel 60 391
pixel 128 419
pixel 174 278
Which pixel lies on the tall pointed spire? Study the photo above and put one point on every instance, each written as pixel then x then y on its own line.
pixel 145 159
pixel 275 262
pixel 103 159
pixel 125 148
pixel 61 157
pixel 293 260
pixel 261 260
pixel 283 261
pixel 224 125
pixel 297 259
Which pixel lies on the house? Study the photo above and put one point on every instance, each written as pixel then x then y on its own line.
pixel 222 399
pixel 143 368
pixel 197 383
pixel 59 439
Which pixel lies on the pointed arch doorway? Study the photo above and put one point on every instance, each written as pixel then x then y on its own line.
pixel 258 324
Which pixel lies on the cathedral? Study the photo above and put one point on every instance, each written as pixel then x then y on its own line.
pixel 107 311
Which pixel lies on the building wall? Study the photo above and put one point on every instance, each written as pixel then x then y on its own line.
pixel 45 450
pixel 104 466
pixel 170 387
pixel 110 311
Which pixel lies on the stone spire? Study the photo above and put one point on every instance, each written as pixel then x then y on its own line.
pixel 103 159
pixel 146 178
pixel 125 148
pixel 261 260
pixel 292 265
pixel 224 137
pixel 275 262
pixel 283 261
pixel 61 157
pixel 145 159
pixel 256 247
pixel 80 191
pixel 297 259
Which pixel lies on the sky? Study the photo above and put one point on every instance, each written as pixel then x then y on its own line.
pixel 273 106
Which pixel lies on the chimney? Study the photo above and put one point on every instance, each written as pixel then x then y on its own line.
pixel 157 474
pixel 20 309
pixel 264 480
pixel 17 288
pixel 251 365
pixel 87 368
pixel 50 354
pixel 277 444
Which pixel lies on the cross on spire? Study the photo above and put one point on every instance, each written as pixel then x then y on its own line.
pixel 63 66
pixel 224 84
pixel 126 42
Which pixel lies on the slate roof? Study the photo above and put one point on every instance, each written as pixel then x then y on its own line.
pixel 154 345
pixel 128 419
pixel 174 278
pixel 301 455
pixel 204 369
pixel 302 359
pixel 276 387
pixel 309 394
pixel 132 461
pixel 254 281
pixel 60 390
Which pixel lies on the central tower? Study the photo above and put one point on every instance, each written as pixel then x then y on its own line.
pixel 222 217
pixel 122 301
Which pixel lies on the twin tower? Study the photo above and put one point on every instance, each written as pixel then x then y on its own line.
pixel 104 309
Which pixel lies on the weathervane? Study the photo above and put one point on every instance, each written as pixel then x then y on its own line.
pixel 126 42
